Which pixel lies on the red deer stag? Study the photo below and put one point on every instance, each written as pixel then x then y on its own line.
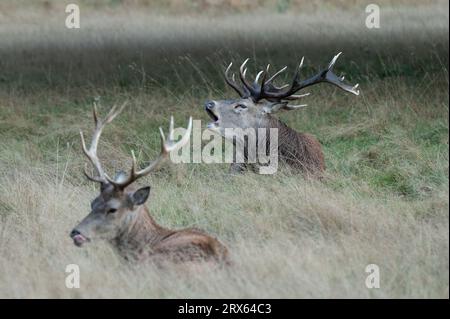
pixel 119 215
pixel 254 109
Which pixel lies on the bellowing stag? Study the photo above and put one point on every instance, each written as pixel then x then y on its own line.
pixel 254 109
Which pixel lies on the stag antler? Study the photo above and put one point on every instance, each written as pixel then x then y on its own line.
pixel 267 90
pixel 167 146
pixel 91 153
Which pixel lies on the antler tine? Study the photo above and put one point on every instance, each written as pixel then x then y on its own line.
pixel 167 146
pixel 242 69
pixel 276 75
pixel 255 84
pixel 296 96
pixel 280 87
pixel 296 78
pixel 171 128
pixel 301 63
pixel 163 137
pixel 171 145
pixel 333 61
pixel 242 72
pixel 232 82
pixel 293 107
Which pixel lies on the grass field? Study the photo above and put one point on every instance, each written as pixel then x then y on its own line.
pixel 384 200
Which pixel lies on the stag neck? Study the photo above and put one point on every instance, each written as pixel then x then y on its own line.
pixel 139 233
pixel 274 122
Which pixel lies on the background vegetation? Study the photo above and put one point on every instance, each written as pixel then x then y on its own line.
pixel 385 197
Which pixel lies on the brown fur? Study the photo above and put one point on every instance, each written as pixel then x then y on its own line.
pixel 299 150
pixel 143 238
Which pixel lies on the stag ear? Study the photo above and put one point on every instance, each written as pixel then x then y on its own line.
pixel 140 196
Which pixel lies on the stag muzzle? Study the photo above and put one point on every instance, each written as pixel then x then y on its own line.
pixel 78 238
pixel 210 108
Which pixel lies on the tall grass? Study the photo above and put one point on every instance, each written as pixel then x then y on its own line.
pixel 384 199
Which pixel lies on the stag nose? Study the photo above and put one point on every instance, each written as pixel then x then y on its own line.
pixel 74 232
pixel 209 105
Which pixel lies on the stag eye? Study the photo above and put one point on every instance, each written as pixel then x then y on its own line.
pixel 112 210
pixel 240 106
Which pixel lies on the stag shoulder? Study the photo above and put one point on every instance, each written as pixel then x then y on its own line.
pixel 299 150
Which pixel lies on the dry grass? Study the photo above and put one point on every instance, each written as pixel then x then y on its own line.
pixel 290 239
pixel 384 201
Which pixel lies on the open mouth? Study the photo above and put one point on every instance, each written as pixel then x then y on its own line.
pixel 214 117
pixel 79 239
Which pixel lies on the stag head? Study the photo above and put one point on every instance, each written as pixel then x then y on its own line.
pixel 262 97
pixel 118 202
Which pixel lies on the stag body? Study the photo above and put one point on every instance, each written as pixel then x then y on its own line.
pixel 259 100
pixel 121 218
pixel 119 215
pixel 299 150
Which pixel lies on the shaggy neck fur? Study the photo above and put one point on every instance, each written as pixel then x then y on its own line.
pixel 139 231
pixel 299 150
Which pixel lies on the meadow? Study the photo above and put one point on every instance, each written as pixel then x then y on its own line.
pixel 384 199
